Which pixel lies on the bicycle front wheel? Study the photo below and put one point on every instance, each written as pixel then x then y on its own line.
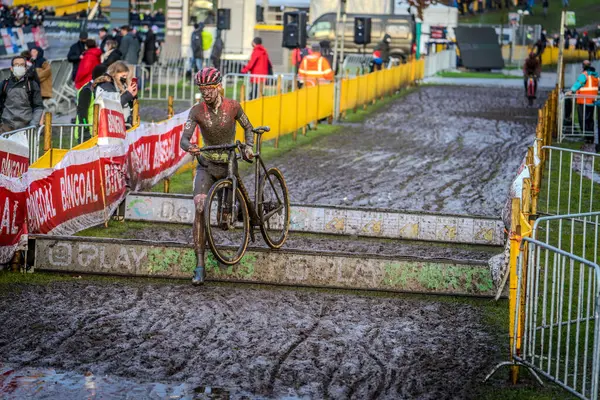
pixel 274 208
pixel 226 222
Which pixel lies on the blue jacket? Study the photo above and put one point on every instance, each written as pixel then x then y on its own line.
pixel 581 80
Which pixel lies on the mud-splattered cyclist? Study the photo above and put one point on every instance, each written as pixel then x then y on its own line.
pixel 216 117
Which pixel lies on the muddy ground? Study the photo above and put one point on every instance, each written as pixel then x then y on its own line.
pixel 445 149
pixel 345 244
pixel 265 343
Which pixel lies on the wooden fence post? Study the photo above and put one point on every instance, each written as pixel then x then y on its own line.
pixel 170 109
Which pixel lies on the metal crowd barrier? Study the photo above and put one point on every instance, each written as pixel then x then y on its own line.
pixel 576 120
pixel 269 85
pixel 573 182
pixel 157 82
pixel 438 62
pixel 559 301
pixel 66 136
pixel 33 139
pixel 61 86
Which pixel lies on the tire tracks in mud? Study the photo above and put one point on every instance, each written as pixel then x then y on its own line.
pixel 441 148
pixel 304 335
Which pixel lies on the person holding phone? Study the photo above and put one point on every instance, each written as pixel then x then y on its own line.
pixel 116 80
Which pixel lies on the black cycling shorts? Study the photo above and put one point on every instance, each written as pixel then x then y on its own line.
pixel 207 173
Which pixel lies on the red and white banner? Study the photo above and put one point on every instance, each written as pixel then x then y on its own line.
pixel 111 121
pixel 154 151
pixel 13 229
pixel 14 155
pixel 81 191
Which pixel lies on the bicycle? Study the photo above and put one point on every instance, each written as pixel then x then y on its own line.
pixel 223 216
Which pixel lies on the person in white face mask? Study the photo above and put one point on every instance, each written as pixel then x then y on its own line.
pixel 20 99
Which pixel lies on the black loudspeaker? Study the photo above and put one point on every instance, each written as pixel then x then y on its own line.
pixel 294 29
pixel 223 19
pixel 362 30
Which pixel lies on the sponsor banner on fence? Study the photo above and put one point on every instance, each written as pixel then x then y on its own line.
pixel 14 155
pixel 13 230
pixel 81 191
pixel 111 122
pixel 154 151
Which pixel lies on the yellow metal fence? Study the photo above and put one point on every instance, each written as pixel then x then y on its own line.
pixel 286 113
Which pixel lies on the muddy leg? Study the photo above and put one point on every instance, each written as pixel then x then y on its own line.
pixel 199 238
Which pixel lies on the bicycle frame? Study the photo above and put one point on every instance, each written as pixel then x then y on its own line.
pixel 255 219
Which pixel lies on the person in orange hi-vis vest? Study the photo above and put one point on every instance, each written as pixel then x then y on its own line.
pixel 586 89
pixel 314 67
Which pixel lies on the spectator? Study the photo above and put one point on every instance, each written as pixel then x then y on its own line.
pixel 103 35
pixel 31 72
pixel 197 47
pixel 76 53
pixel 298 55
pixel 116 35
pixel 592 50
pixel 115 81
pixel 111 54
pixel 215 54
pixel 259 64
pixel 326 50
pixel 314 68
pixel 585 41
pixel 376 61
pixel 545 6
pixel 43 70
pixel 586 88
pixel 538 49
pixel 130 46
pixel 384 47
pixel 160 16
pixel 150 47
pixel 85 102
pixel 25 107
pixel 91 58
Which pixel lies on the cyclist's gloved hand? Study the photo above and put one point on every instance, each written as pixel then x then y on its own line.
pixel 248 152
pixel 194 150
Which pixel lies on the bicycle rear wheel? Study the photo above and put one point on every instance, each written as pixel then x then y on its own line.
pixel 274 208
pixel 226 222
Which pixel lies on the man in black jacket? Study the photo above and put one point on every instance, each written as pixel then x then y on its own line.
pixel 76 53
pixel 20 99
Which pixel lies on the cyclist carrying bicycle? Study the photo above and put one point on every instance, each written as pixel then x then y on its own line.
pixel 216 117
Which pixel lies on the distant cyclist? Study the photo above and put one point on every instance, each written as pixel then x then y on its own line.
pixel 532 67
pixel 216 116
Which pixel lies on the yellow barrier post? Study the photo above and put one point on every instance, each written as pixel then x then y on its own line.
pixel 295 134
pixel 96 120
pixel 243 94
pixel 304 127
pixel 357 89
pixel 317 112
pixel 47 131
pixel 170 108
pixel 48 134
pixel 280 110
pixel 376 88
pixel 515 241
pixel 136 113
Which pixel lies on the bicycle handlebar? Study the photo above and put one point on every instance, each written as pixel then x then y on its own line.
pixel 221 147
